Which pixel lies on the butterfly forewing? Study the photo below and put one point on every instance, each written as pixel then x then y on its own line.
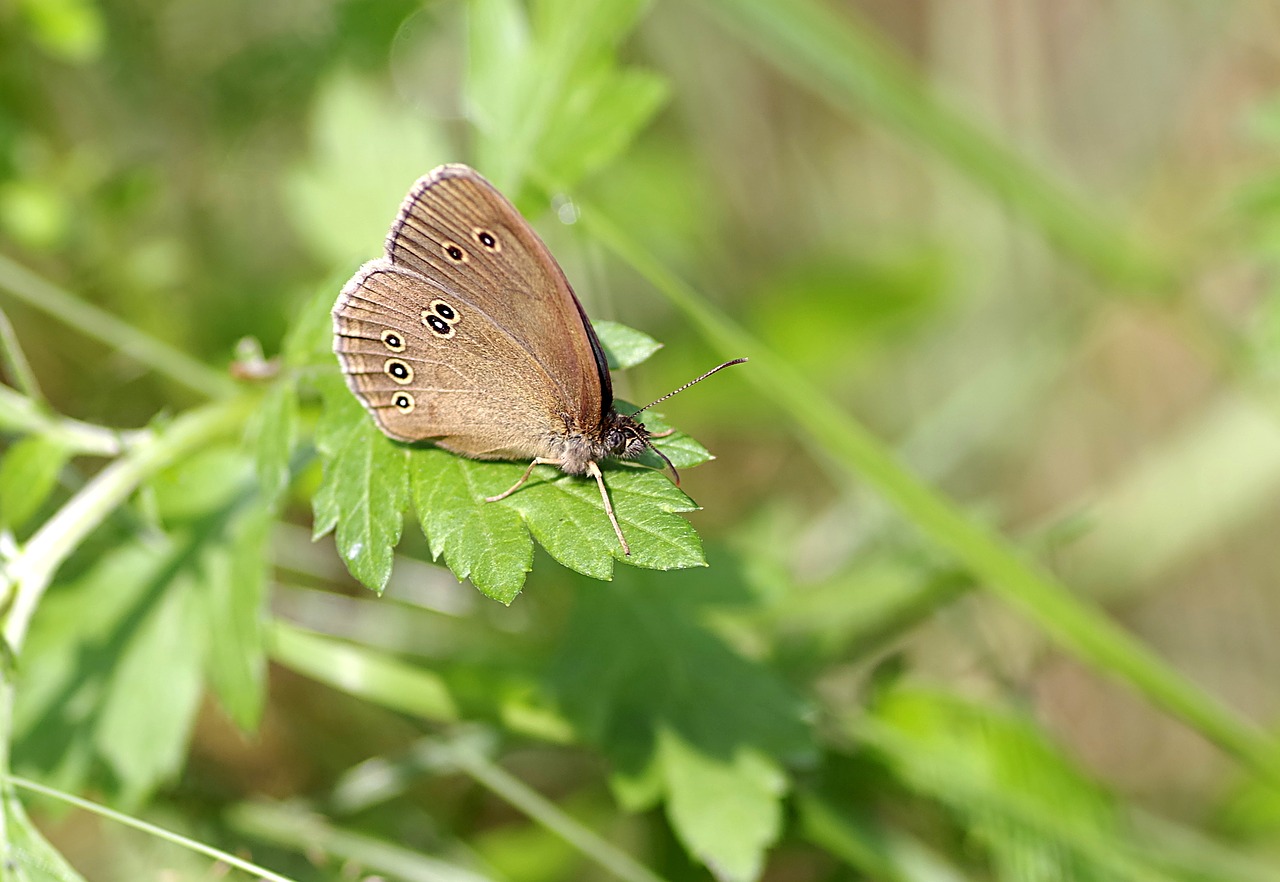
pixel 456 228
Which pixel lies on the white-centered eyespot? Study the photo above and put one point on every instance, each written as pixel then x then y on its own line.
pixel 444 310
pixel 393 340
pixel 438 326
pixel 398 370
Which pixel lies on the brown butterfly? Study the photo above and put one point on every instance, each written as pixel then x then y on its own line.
pixel 466 333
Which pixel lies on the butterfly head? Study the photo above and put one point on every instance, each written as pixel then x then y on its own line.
pixel 624 437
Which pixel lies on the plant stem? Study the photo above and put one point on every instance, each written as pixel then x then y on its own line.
pixel 15 359
pixel 101 325
pixel 468 759
pixel 25 577
pixel 159 832
pixel 1070 621
pixel 849 65
pixel 25 415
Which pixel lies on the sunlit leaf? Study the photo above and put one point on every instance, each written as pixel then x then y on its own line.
pixel 28 473
pixel 365 489
pixel 625 347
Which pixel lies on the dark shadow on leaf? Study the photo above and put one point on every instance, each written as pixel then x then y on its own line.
pixel 638 659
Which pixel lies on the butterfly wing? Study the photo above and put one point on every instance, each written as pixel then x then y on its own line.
pixel 457 229
pixel 429 364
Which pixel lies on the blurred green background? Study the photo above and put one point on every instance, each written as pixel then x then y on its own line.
pixel 993 575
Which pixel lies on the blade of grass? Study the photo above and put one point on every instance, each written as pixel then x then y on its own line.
pixel 290 826
pixel 15 360
pixel 101 325
pixel 159 832
pixel 1069 621
pixel 847 64
pixel 465 756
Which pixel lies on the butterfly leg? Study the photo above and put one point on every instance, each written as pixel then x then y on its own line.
pixel 665 433
pixel 594 471
pixel 518 484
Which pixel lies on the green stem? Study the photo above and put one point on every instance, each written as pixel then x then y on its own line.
pixel 15 359
pixel 159 832
pixel 98 324
pixel 848 64
pixel 1073 623
pixel 291 826
pixel 26 416
pixel 469 760
pixel 25 577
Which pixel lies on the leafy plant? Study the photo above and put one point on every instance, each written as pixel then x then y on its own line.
pixel 890 667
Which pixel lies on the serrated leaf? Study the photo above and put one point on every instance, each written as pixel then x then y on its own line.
pixel 367 477
pixel 121 685
pixel 663 696
pixel 623 346
pixel 487 543
pixel 364 489
pixel 28 474
pixel 213 501
pixel 273 434
pixel 59 700
pixel 118 688
pixel 566 515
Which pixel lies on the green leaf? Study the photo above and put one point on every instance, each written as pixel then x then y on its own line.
pixel 624 347
pixel 69 30
pixel 373 676
pixel 120 685
pixel 550 97
pixel 368 479
pixel 368 150
pixel 213 501
pixel 1037 816
pixel 726 810
pixel 28 474
pixel 232 590
pixel 149 702
pixel 202 486
pixel 365 487
pixel 28 856
pixel 598 117
pixel 681 715
pixel 273 435
pixel 487 543
pixel 566 515
pixel 309 340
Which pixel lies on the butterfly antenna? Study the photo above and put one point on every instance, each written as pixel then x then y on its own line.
pixel 674 472
pixel 718 367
